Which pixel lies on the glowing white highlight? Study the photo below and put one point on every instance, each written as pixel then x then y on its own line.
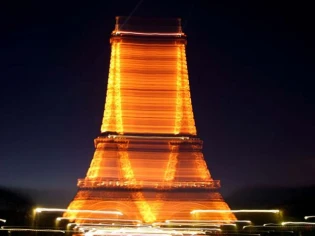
pixel 297 223
pixel 234 225
pixel 3 220
pixel 39 210
pixel 271 224
pixel 99 219
pixel 213 224
pixel 34 230
pixel 308 217
pixel 101 225
pixel 147 231
pixel 207 221
pixel 234 211
pixel 148 34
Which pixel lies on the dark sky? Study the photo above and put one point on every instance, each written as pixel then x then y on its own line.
pixel 251 67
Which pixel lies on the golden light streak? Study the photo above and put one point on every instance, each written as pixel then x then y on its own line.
pixel 112 119
pixel 39 210
pixel 179 96
pixel 171 164
pixel 189 117
pixel 119 125
pixel 308 217
pixel 3 220
pixel 108 114
pixel 126 166
pixel 202 166
pixel 235 211
pixel 94 169
pixel 144 208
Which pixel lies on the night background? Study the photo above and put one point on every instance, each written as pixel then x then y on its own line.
pixel 251 68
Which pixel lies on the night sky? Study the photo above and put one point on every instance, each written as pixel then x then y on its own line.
pixel 251 68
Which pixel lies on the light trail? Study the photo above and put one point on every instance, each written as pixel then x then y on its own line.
pixel 131 13
pixel 97 233
pixel 207 221
pixel 108 225
pixel 234 225
pixel 98 219
pixel 308 217
pixel 279 226
pixel 149 231
pixel 271 224
pixel 297 223
pixel 234 211
pixel 17 227
pixel 261 226
pixel 188 224
pixel 39 210
pixel 34 230
pixel 3 220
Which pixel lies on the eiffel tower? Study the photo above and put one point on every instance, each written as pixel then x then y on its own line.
pixel 148 162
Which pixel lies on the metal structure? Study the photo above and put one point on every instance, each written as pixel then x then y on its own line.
pixel 148 161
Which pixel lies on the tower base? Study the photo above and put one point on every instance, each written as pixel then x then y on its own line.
pixel 149 205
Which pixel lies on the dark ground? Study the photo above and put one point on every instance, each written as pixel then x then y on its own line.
pixel 295 203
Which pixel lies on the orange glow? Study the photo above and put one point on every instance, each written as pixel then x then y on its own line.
pixel 171 165
pixel 141 76
pixel 148 161
pixel 113 102
pixel 127 159
pixel 201 166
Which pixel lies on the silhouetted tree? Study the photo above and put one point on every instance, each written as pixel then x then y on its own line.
pixel 15 207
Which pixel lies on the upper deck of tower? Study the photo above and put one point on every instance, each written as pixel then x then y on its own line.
pixel 148 87
pixel 155 27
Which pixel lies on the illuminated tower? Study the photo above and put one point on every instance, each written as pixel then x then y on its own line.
pixel 148 162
